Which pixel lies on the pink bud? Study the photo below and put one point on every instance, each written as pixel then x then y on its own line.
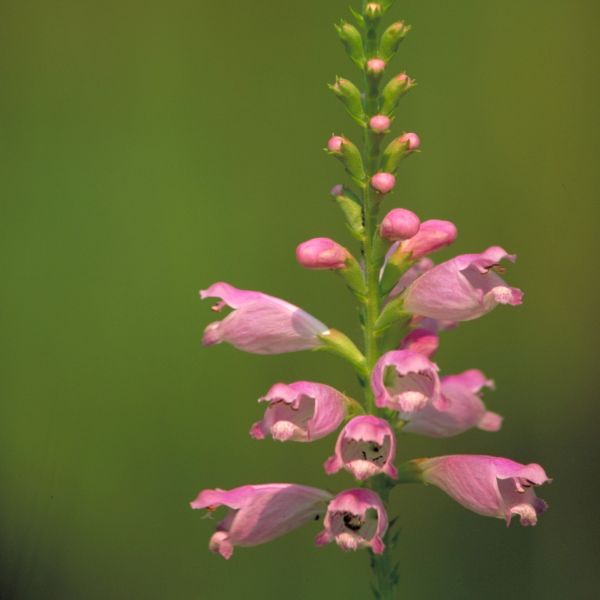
pixel 404 78
pixel 375 66
pixel 334 144
pixel 322 253
pixel 337 190
pixel 399 224
pixel 383 182
pixel 411 140
pixel 380 123
pixel 433 235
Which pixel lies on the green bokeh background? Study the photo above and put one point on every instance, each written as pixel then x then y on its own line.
pixel 148 149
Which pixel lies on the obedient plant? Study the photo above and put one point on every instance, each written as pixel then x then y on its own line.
pixel 405 302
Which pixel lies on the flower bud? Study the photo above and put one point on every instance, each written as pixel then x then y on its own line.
pixel 383 182
pixel 431 237
pixel 393 91
pixel 399 224
pixel 350 97
pixel 380 123
pixel 397 149
pixel 322 253
pixel 391 39
pixel 352 40
pixel 376 66
pixel 373 12
pixel 352 209
pixel 334 144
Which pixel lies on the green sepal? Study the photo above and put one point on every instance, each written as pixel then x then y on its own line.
pixel 393 90
pixel 411 472
pixel 352 40
pixel 392 156
pixel 358 18
pixel 351 206
pixel 352 159
pixel 354 278
pixel 337 343
pixel 391 39
pixel 386 4
pixel 392 313
pixel 397 264
pixel 351 98
pixel 353 408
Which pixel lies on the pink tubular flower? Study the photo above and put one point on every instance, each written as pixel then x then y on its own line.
pixel 433 235
pixel 365 447
pixel 399 224
pixel 487 485
pixel 355 519
pixel 383 182
pixel 322 253
pixel 423 341
pixel 260 513
pixel 260 323
pixel 411 275
pixel 463 410
pixel 463 288
pixel 302 412
pixel 380 123
pixel 406 381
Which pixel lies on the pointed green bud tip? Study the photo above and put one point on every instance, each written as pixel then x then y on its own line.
pixel 352 40
pixel 393 91
pixel 391 39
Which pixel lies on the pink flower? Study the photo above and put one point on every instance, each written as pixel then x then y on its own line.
pixel 423 341
pixel 399 224
pixel 487 485
pixel 259 323
pixel 302 411
pixel 463 288
pixel 260 513
pixel 383 182
pixel 464 408
pixel 406 381
pixel 365 447
pixel 380 123
pixel 433 235
pixel 322 253
pixel 355 519
pixel 424 265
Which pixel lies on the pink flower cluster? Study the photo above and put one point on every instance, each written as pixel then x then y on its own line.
pixel 405 382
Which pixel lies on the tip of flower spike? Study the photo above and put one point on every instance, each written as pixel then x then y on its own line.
pixel 383 182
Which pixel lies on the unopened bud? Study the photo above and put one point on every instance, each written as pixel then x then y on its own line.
pixel 352 40
pixel 350 97
pixel 380 123
pixel 334 144
pixel 393 91
pixel 337 190
pixel 373 12
pixel 322 253
pixel 399 224
pixel 375 66
pixel 397 149
pixel 352 209
pixel 383 182
pixel 391 39
pixel 433 235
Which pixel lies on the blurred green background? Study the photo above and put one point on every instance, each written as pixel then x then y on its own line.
pixel 151 148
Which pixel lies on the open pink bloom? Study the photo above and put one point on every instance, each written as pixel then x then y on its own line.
pixel 260 513
pixel 365 447
pixel 406 381
pixel 489 486
pixel 302 411
pixel 322 253
pixel 420 267
pixel 433 235
pixel 463 288
pixel 260 323
pixel 464 408
pixel 423 341
pixel 355 519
